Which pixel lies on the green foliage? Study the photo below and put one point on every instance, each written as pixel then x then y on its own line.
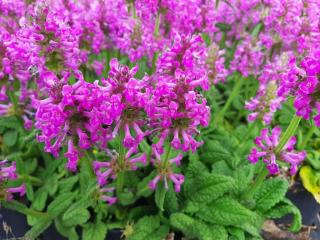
pixel 194 228
pixel 97 231
pixel 271 192
pixel 148 228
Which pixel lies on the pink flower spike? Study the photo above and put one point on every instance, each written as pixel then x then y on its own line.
pixel 178 180
pixel 176 160
pixel 72 156
pixel 21 190
pixel 128 140
pixel 153 183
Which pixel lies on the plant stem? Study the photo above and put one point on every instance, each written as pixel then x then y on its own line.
pixel 291 129
pixel 19 207
pixel 256 184
pixel 121 159
pixel 166 159
pixel 234 93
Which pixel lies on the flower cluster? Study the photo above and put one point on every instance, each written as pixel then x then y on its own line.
pixel 267 149
pixel 8 173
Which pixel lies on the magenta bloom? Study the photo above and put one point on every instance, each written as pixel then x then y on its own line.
pixel 166 173
pixel 8 173
pixel 266 150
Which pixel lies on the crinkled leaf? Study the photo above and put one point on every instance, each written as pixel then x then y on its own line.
pixel 171 203
pixel 39 227
pixel 65 231
pixel 160 195
pixel 67 184
pixel 208 187
pixel 270 193
pixel 10 138
pixel 243 176
pixel 77 212
pixel 147 228
pixel 227 211
pixel 80 216
pixel 284 208
pixel 40 199
pixel 194 228
pixel 60 204
pixel 96 231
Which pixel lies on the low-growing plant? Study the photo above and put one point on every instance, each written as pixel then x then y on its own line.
pixel 157 117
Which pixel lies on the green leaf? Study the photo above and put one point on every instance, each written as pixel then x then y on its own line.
pixel 96 231
pixel 10 138
pixel 194 228
pixel 148 228
pixel 270 193
pixel 126 198
pixel 284 208
pixel 160 196
pixel 77 213
pixel 81 216
pixel 171 203
pixel 228 212
pixel 222 167
pixel 65 231
pixel 214 151
pixel 10 122
pixel 223 26
pixel 208 187
pixel 40 199
pixel 243 176
pixel 39 227
pixel 60 204
pixel 52 184
pixel 29 191
pixel 236 233
pixel 66 185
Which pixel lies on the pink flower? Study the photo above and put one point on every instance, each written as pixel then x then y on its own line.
pixel 267 147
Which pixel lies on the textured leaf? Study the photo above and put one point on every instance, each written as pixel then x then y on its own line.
pixel 271 192
pixel 96 231
pixel 208 187
pixel 77 213
pixel 10 137
pixel 284 208
pixel 39 202
pixel 65 230
pixel 81 216
pixel 243 176
pixel 126 198
pixel 147 228
pixel 10 122
pixel 67 184
pixel 236 233
pixel 60 204
pixel 213 151
pixel 160 196
pixel 226 211
pixel 171 203
pixel 193 228
pixel 39 227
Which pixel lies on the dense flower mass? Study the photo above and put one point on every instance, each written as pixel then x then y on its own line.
pixel 267 150
pixel 8 173
pixel 114 76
